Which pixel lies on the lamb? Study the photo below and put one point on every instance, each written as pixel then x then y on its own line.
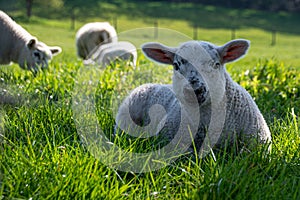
pixel 203 105
pixel 19 46
pixel 109 52
pixel 91 35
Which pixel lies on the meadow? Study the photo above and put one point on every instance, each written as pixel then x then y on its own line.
pixel 44 157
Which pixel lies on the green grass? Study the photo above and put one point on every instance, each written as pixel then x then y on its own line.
pixel 43 157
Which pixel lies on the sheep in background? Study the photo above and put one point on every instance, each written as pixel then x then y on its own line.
pixel 202 97
pixel 107 53
pixel 19 46
pixel 91 35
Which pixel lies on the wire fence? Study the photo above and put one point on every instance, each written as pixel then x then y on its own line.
pixel 195 31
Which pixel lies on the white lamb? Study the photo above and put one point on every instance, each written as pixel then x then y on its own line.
pixel 202 101
pixel 19 46
pixel 109 52
pixel 91 35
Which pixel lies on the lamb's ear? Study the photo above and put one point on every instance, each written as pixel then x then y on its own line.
pixel 159 52
pixel 55 50
pixel 233 50
pixel 31 43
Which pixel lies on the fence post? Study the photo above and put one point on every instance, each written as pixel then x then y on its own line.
pixel 73 18
pixel 273 42
pixel 155 29
pixel 233 33
pixel 115 23
pixel 195 36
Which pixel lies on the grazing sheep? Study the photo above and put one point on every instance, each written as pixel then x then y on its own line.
pixel 107 53
pixel 17 45
pixel 91 35
pixel 202 97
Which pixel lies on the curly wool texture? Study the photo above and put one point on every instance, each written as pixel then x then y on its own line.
pixel 92 35
pixel 243 115
pixel 139 103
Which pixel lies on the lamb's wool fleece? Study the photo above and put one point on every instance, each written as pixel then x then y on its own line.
pixel 242 118
pixel 90 36
pixel 153 110
pixel 243 115
pixel 141 100
pixel 19 46
pixel 109 52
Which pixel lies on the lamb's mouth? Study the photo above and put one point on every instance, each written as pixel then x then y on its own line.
pixel 200 93
pixel 41 65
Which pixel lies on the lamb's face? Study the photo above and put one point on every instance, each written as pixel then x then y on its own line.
pixel 188 82
pixel 195 64
pixel 199 73
pixel 36 55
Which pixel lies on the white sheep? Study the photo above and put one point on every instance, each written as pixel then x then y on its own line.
pixel 202 100
pixel 109 52
pixel 19 46
pixel 91 35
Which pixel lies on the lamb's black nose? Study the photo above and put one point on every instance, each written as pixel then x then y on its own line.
pixel 200 90
pixel 193 80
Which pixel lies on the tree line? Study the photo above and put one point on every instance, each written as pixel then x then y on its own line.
pixel 270 5
pixel 70 5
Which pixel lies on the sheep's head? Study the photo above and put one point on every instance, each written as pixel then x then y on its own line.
pixel 198 67
pixel 36 55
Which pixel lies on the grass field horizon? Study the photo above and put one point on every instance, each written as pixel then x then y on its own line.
pixel 43 155
pixel 214 24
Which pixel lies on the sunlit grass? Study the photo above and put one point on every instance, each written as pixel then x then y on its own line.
pixel 42 155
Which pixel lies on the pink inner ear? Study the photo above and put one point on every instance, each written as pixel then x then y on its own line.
pixel 158 55
pixel 234 52
pixel 230 56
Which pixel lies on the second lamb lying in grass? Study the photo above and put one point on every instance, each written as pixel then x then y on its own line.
pixel 203 105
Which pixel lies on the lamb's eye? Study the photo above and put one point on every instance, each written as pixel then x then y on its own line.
pixel 183 61
pixel 176 66
pixel 217 65
pixel 37 55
